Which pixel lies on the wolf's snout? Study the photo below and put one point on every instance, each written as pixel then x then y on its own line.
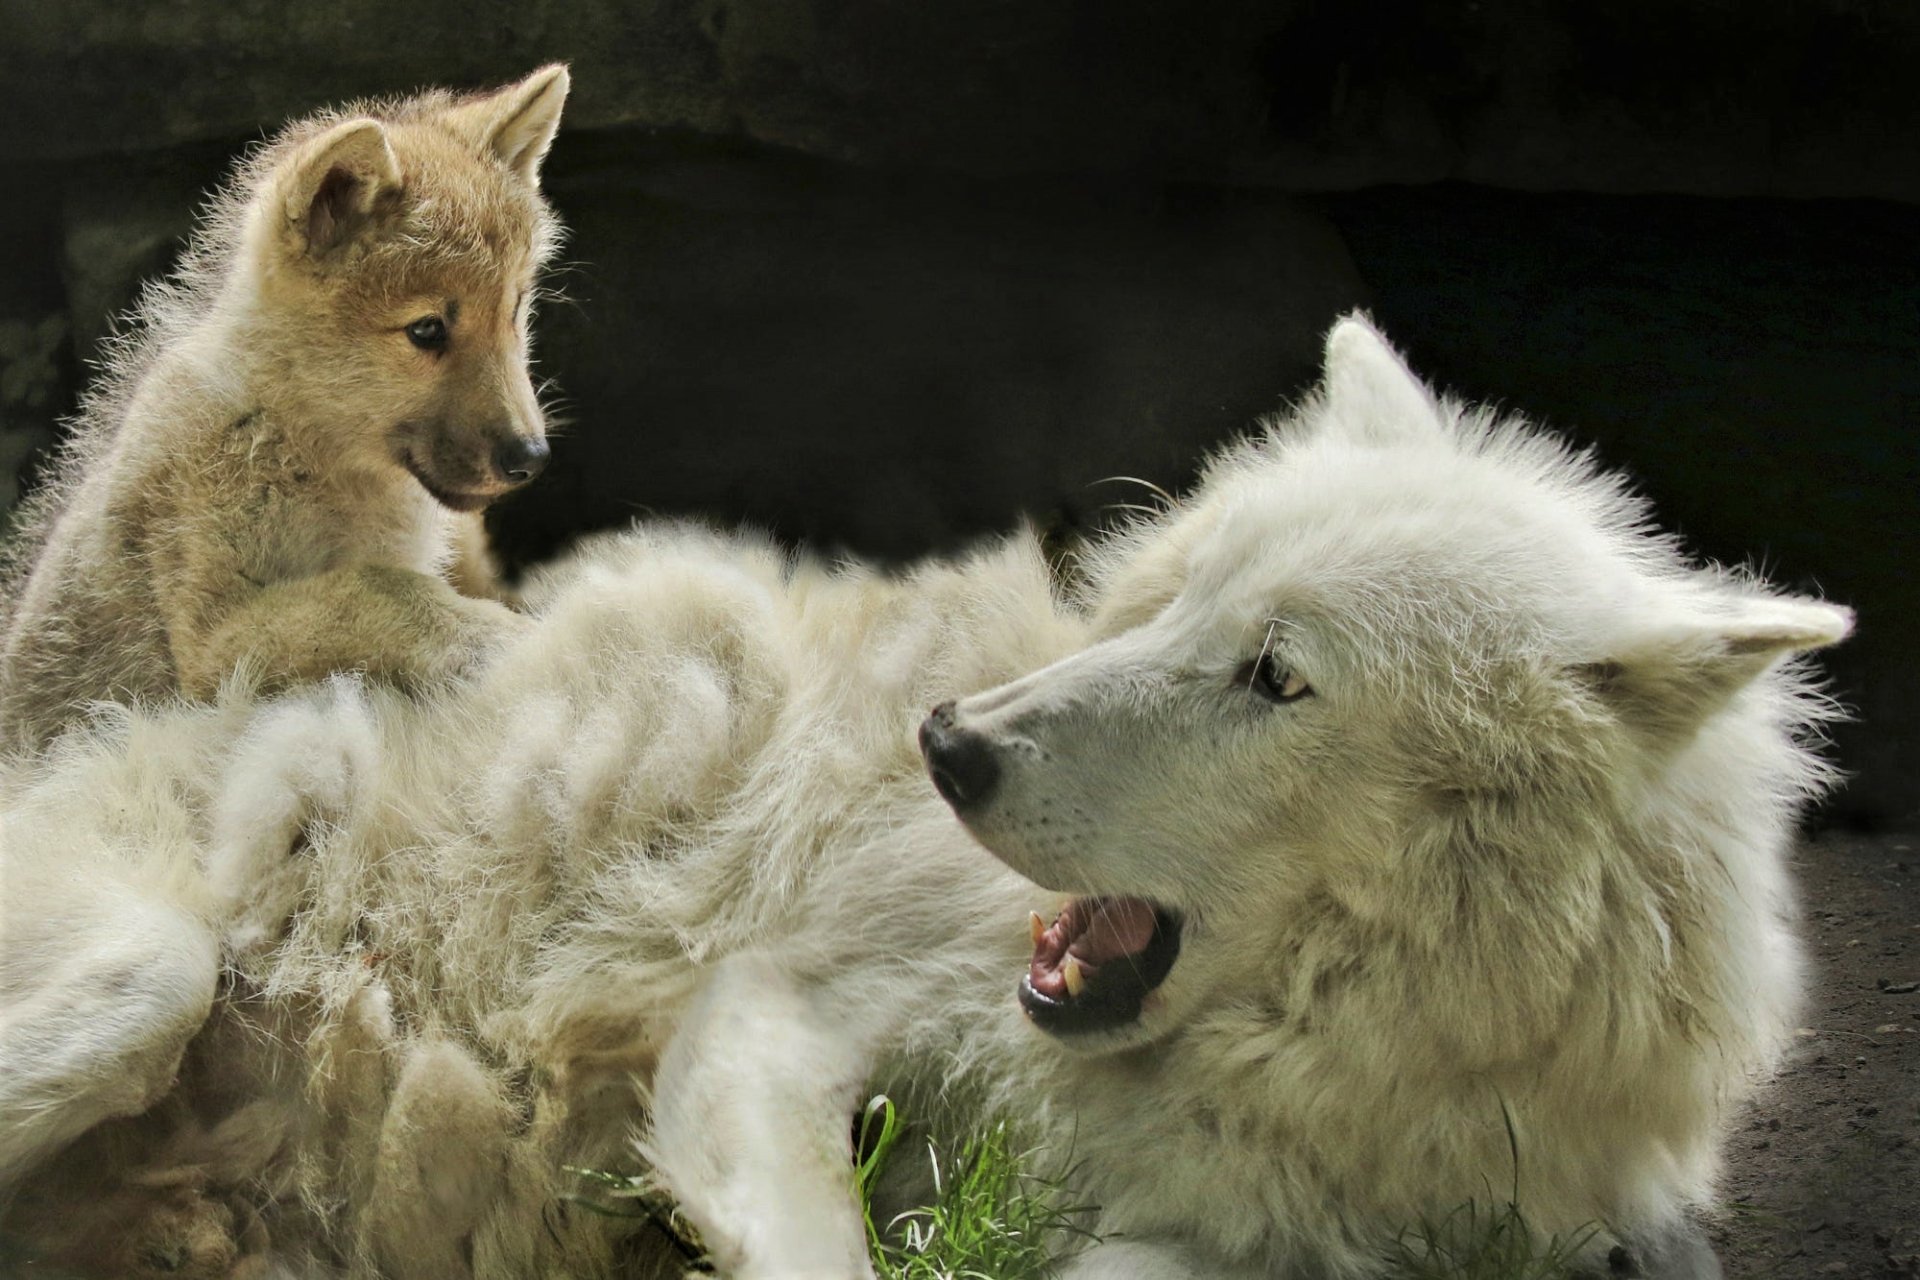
pixel 963 765
pixel 519 459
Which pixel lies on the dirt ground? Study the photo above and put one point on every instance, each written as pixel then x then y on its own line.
pixel 1824 1179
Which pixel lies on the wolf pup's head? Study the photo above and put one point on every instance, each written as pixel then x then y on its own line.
pixel 389 260
pixel 1396 669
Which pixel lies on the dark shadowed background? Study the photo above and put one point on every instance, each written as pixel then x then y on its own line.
pixel 886 275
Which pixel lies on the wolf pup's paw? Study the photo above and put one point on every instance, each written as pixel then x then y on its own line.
pixel 486 627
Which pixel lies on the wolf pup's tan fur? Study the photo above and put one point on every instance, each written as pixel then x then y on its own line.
pixel 282 467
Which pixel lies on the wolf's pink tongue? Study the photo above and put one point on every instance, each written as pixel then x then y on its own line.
pixel 1095 967
pixel 1120 927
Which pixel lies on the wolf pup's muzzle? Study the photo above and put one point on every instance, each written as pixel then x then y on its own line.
pixel 518 459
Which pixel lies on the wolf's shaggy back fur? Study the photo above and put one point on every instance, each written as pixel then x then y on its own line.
pixel 521 881
pixel 1534 872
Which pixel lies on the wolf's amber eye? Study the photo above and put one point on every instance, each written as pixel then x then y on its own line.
pixel 429 333
pixel 1266 677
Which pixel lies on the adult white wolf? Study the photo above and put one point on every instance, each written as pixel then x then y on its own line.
pixel 1425 806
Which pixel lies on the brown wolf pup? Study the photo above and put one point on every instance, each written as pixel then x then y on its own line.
pixel 281 469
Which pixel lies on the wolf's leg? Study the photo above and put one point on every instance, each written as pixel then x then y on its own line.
pixel 101 986
pixel 474 570
pixel 753 1109
pixel 1679 1251
pixel 441 1164
pixel 392 623
pixel 1152 1260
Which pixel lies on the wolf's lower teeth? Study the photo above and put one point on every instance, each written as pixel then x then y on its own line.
pixel 1076 981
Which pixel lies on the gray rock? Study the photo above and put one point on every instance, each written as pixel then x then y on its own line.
pixel 123 225
pixel 1763 97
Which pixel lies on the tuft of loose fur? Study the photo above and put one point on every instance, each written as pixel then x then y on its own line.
pixel 1500 877
pixel 272 472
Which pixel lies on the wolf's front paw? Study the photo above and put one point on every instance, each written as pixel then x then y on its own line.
pixel 482 628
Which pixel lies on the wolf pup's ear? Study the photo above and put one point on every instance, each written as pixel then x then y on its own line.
pixel 336 182
pixel 516 124
pixel 1370 392
pixel 1668 680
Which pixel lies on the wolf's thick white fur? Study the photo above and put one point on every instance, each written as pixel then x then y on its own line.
pixel 1518 857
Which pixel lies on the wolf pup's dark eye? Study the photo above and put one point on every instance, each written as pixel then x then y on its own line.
pixel 429 333
pixel 1266 677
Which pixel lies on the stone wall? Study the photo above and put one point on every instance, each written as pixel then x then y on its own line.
pixel 886 276
pixel 1727 97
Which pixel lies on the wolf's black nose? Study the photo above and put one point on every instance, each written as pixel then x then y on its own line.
pixel 519 459
pixel 962 764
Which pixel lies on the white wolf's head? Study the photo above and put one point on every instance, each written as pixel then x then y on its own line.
pixel 1390 649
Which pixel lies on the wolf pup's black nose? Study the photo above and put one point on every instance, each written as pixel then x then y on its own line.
pixel 520 458
pixel 962 764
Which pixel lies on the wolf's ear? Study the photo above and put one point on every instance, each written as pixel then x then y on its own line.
pixel 336 182
pixel 1370 392
pixel 516 125
pixel 1669 679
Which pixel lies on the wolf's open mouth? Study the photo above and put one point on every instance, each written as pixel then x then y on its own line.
pixel 1094 965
